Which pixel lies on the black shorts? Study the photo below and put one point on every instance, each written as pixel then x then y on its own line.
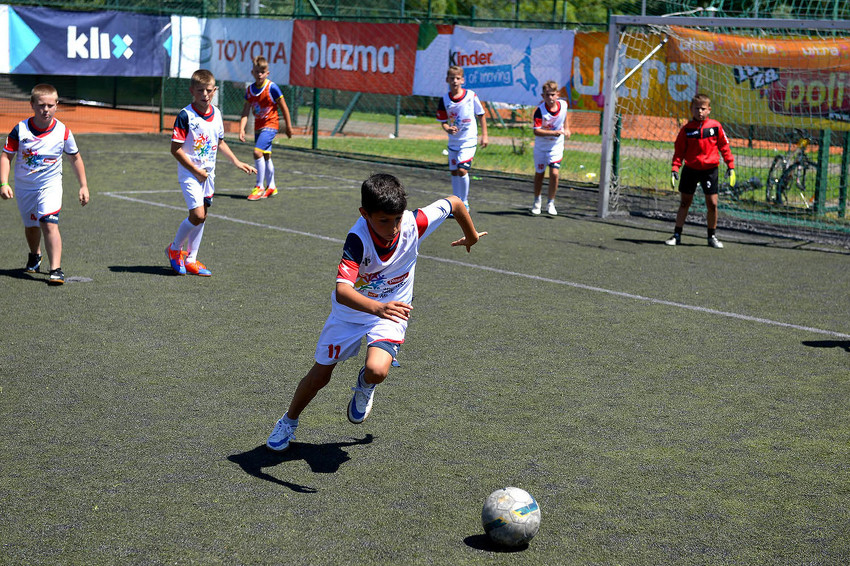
pixel 690 178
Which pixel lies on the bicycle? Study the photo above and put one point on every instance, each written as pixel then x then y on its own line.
pixel 792 177
pixel 749 188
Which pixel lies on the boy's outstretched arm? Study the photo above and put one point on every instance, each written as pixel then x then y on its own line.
pixel 470 234
pixel 225 149
pixel 393 310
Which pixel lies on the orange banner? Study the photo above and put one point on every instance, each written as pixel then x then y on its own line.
pixel 694 46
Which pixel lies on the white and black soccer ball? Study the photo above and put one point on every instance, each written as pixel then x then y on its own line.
pixel 511 516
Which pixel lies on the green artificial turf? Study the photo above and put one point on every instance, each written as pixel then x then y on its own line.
pixel 664 405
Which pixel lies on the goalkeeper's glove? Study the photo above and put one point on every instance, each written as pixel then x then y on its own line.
pixel 730 174
pixel 674 176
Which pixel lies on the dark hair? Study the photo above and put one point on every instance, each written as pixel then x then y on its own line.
pixel 383 192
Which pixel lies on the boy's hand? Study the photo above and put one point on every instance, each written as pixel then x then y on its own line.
pixel 674 176
pixel 288 131
pixel 84 195
pixel 394 310
pixel 242 136
pixel 468 243
pixel 246 168
pixel 484 141
pixel 730 174
pixel 6 192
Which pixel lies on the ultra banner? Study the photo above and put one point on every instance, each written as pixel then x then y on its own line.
pixel 42 41
pixel 226 46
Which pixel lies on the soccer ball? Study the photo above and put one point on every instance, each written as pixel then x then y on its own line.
pixel 511 517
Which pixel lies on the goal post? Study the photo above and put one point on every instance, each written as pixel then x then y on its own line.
pixel 781 90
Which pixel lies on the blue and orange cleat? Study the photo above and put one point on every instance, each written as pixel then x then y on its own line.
pixel 175 257
pixel 197 268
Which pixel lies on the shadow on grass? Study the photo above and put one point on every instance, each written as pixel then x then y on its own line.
pixel 653 242
pixel 146 269
pixel 21 274
pixel 483 542
pixel 322 459
pixel 844 344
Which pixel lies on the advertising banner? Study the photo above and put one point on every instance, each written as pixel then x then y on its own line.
pixel 362 57
pixel 432 59
pixel 510 65
pixel 226 46
pixel 773 81
pixel 43 41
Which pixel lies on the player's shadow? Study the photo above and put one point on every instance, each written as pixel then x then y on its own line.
pixel 483 542
pixel 146 269
pixel 652 242
pixel 20 274
pixel 843 344
pixel 322 458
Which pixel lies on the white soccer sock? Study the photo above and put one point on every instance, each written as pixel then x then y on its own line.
pixel 456 187
pixel 195 242
pixel 182 234
pixel 270 173
pixel 464 188
pixel 260 165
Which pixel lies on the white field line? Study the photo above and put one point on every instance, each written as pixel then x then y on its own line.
pixel 124 196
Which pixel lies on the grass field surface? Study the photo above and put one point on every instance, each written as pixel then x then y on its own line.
pixel 664 405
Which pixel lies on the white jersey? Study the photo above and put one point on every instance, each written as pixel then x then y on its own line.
pixel 552 121
pixel 199 134
pixel 385 273
pixel 39 162
pixel 461 112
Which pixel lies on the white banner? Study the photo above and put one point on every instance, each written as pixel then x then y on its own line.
pixel 226 47
pixel 510 65
pixel 432 60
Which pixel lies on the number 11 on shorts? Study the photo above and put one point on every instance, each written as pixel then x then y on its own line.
pixel 333 351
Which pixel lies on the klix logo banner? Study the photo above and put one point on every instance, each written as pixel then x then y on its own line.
pixel 118 44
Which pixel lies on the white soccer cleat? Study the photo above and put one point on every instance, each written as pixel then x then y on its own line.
pixel 535 208
pixel 550 209
pixel 361 402
pixel 714 242
pixel 674 240
pixel 281 436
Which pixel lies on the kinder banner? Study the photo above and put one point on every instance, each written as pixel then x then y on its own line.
pixel 361 57
pixel 227 46
pixel 510 65
pixel 42 41
pixel 432 59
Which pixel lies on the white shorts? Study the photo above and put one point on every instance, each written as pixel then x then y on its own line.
pixel 196 194
pixel 545 157
pixel 39 205
pixel 340 340
pixel 461 158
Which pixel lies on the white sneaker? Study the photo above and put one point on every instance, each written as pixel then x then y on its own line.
pixel 361 403
pixel 535 208
pixel 714 242
pixel 674 240
pixel 280 437
pixel 550 210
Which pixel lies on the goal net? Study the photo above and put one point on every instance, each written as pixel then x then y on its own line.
pixel 780 89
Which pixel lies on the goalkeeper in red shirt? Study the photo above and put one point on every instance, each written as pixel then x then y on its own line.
pixel 698 148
